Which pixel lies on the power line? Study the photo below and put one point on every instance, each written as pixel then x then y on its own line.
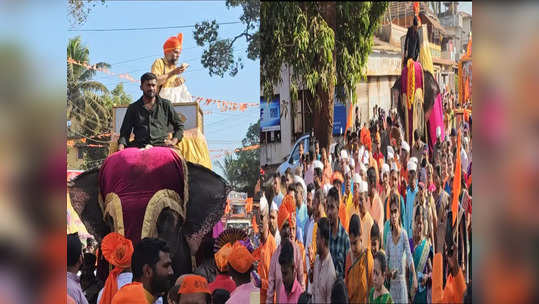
pixel 143 28
pixel 149 56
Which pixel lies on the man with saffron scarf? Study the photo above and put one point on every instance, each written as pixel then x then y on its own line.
pixel 170 84
pixel 117 250
pixel 152 271
pixel 266 249
pixel 337 181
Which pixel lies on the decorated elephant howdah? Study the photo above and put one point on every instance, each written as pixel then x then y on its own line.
pixel 430 100
pixel 137 184
pixel 151 193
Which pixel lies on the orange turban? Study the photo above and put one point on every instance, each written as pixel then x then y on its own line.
pixel 240 259
pixel 221 257
pixel 132 293
pixel 290 203
pixel 337 176
pixel 193 283
pixel 282 215
pixel 117 250
pixel 173 43
pixel 287 211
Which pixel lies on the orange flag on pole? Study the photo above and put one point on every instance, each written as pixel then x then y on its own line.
pixel 349 119
pixel 456 181
pixel 255 225
pixel 249 205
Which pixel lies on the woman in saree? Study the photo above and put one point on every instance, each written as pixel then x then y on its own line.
pixel 422 255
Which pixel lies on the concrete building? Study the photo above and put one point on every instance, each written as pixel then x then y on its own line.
pixel 383 69
pixel 459 23
pixel 440 39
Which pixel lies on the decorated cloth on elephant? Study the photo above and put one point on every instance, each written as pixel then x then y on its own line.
pixel 133 190
pixel 412 98
pixel 436 119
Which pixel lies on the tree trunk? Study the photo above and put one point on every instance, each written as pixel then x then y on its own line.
pixel 323 126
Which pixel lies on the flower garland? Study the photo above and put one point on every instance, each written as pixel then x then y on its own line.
pixel 410 89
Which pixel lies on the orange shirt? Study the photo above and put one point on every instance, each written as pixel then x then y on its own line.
pixel 454 287
pixel 266 251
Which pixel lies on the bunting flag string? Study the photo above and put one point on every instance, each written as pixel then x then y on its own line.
pixel 222 105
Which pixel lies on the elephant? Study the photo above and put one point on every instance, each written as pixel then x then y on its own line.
pixel 204 208
pixel 431 91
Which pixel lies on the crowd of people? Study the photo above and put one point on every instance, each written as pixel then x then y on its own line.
pixel 373 221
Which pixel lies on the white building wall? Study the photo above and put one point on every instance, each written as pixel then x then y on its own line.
pixel 273 153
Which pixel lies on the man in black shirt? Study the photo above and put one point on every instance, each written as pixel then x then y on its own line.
pixel 149 117
pixel 411 43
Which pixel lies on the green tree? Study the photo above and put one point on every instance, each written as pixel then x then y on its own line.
pixel 82 91
pixel 78 10
pixel 324 44
pixel 89 105
pixel 218 57
pixel 241 167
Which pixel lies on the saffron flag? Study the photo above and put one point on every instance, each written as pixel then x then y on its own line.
pixel 249 205
pixel 349 119
pixel 254 224
pixel 456 181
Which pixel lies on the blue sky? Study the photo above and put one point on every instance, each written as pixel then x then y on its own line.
pixel 223 130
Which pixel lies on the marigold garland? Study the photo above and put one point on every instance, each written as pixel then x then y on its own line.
pixel 410 90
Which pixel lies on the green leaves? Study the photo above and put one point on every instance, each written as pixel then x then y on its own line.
pixel 241 168
pixel 357 22
pixel 218 57
pixel 296 35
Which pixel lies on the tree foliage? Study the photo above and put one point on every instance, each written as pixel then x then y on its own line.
pixel 89 105
pixel 218 56
pixel 356 25
pixel 78 10
pixel 323 44
pixel 85 108
pixel 241 168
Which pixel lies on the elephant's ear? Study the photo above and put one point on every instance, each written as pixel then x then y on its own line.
pixel 432 89
pixel 83 192
pixel 207 201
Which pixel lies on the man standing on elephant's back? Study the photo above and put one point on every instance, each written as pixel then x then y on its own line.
pixel 149 117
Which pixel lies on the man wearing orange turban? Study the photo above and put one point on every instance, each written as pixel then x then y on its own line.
pixel 223 280
pixel 169 82
pixel 194 289
pixel 117 250
pixel 152 271
pixel 240 266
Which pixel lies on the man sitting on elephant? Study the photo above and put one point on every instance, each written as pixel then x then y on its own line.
pixel 411 43
pixel 149 117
